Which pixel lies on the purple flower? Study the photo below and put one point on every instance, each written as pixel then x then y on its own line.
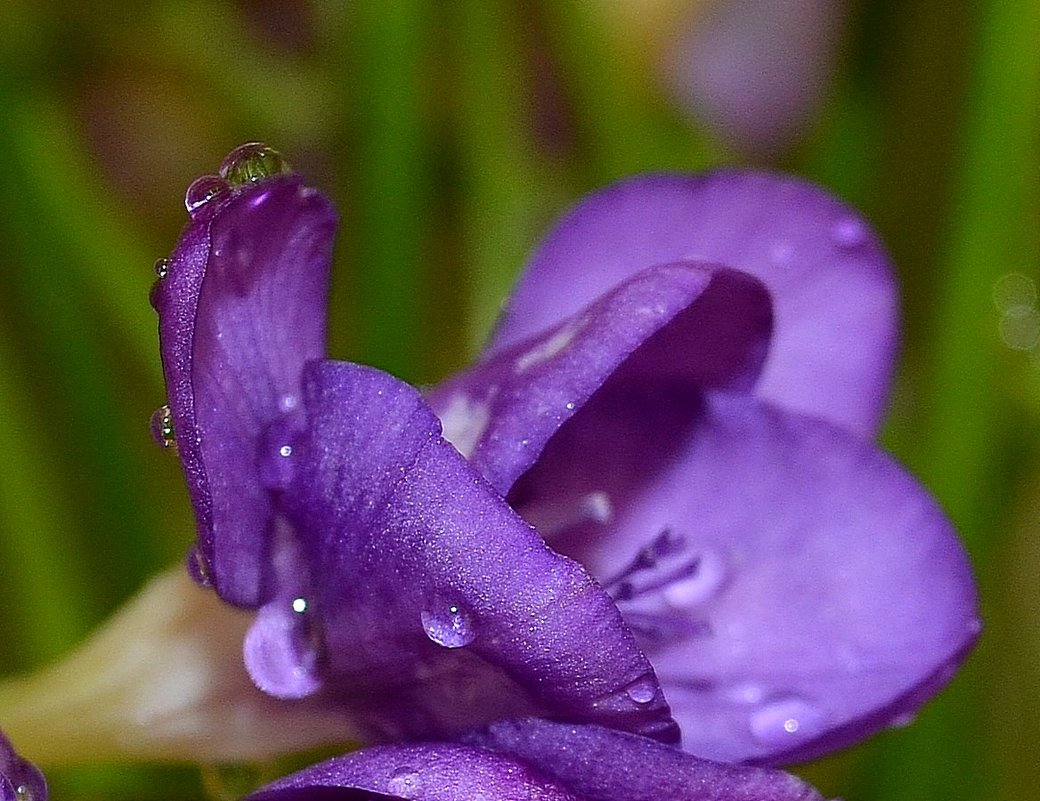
pixel 19 779
pixel 699 439
pixel 680 397
pixel 387 573
pixel 521 760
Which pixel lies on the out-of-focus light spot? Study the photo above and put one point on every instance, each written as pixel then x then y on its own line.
pixel 1020 327
pixel 1014 291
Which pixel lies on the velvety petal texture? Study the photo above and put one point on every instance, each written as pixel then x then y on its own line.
pixel 435 606
pixel 241 307
pixel 834 298
pixel 693 321
pixel 535 759
pixel 20 780
pixel 793 587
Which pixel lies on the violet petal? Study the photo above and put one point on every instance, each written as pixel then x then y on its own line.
pixel 241 308
pixel 20 780
pixel 834 299
pixel 418 772
pixel 608 765
pixel 794 588
pixel 438 608
pixel 536 759
pixel 694 322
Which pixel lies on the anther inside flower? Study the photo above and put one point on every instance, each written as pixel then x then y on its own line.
pixel 680 397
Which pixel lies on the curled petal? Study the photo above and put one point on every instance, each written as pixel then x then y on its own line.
pixel 834 299
pixel 420 772
pixel 694 322
pixel 20 780
pixel 436 605
pixel 241 308
pixel 794 588
pixel 537 759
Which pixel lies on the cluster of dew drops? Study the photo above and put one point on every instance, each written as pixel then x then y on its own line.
pixel 244 165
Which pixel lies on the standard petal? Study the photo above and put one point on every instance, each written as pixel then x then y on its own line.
pixel 794 588
pixel 834 298
pixel 241 308
pixel 696 322
pixel 420 772
pixel 20 780
pixel 607 765
pixel 436 606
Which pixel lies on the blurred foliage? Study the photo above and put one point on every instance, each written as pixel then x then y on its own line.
pixel 450 134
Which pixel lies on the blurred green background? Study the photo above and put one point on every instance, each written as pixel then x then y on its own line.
pixel 450 133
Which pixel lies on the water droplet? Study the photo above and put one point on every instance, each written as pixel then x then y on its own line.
pixel 849 232
pixel 162 267
pixel 642 690
pixel 299 605
pixel 198 567
pixel 202 191
pixel 277 462
pixel 23 793
pixel 448 626
pixel 252 162
pixel 569 406
pixel 161 427
pixel 286 403
pixel 699 587
pixel 405 782
pixel 786 722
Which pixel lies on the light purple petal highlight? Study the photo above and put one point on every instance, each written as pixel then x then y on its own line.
pixel 757 72
pixel 420 772
pixel 607 765
pixel 20 780
pixel 794 588
pixel 691 322
pixel 240 310
pixel 436 606
pixel 834 299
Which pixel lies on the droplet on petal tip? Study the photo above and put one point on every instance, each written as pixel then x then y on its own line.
pixel 252 162
pixel 405 782
pixel 448 625
pixel 202 190
pixel 161 427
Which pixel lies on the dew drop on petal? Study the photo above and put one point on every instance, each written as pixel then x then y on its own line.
pixel 23 793
pixel 699 587
pixel 786 722
pixel 161 427
pixel 198 568
pixel 642 690
pixel 405 782
pixel 277 462
pixel 202 191
pixel 162 267
pixel 849 232
pixel 449 626
pixel 252 162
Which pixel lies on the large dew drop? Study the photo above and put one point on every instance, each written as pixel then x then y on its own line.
pixel 448 626
pixel 642 690
pixel 202 191
pixel 161 427
pixel 252 162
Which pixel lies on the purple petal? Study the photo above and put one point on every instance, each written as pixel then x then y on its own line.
pixel 757 72
pixel 691 322
pixel 834 299
pixel 607 765
pixel 20 780
pixel 241 309
pixel 536 759
pixel 794 588
pixel 437 607
pixel 421 772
